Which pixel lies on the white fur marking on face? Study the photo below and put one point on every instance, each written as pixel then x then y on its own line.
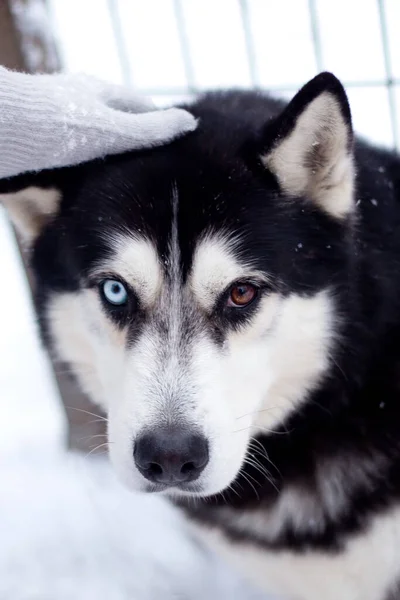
pixel 314 160
pixel 298 349
pixel 87 340
pixel 135 260
pixel 215 266
pixel 30 209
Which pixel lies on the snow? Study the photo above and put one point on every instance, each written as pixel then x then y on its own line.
pixel 68 530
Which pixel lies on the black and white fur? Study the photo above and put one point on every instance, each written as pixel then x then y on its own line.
pixel 298 393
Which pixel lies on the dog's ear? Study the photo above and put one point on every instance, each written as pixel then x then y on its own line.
pixel 30 203
pixel 309 147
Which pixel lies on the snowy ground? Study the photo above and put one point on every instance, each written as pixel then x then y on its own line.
pixel 68 530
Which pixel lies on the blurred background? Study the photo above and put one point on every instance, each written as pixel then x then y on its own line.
pixel 169 49
pixel 65 525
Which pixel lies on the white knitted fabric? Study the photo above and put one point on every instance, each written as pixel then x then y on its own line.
pixel 49 121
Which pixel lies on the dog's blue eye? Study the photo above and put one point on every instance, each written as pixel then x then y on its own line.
pixel 114 292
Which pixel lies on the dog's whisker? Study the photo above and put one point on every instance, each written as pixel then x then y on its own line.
pixel 97 421
pixel 244 475
pixel 232 489
pixel 262 472
pixel 92 437
pixel 261 469
pixel 261 448
pixel 264 454
pixel 256 412
pixel 87 412
pixel 263 429
pixel 108 444
pixel 96 448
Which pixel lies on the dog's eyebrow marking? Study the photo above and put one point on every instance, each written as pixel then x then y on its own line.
pixel 135 259
pixel 214 267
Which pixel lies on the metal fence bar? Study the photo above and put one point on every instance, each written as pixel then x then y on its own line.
pixel 389 82
pixel 182 91
pixel 316 35
pixel 388 68
pixel 119 41
pixel 248 39
pixel 185 47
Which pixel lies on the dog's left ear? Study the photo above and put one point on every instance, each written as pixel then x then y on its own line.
pixel 30 209
pixel 309 147
pixel 32 200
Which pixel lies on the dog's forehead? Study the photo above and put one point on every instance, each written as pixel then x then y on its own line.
pixel 208 200
pixel 135 193
pixel 140 204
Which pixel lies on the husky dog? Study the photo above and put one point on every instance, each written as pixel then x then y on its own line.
pixel 232 300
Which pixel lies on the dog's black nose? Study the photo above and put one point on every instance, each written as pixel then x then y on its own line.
pixel 171 455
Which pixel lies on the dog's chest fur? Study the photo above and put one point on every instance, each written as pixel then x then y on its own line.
pixel 333 529
pixel 337 539
pixel 366 568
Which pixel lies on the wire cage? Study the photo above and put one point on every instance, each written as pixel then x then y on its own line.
pixel 171 49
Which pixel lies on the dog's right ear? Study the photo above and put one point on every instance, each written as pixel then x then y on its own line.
pixel 30 204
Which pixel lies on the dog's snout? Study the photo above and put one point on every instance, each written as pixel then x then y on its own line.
pixel 171 455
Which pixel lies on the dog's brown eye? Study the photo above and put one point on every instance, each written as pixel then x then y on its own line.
pixel 242 294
